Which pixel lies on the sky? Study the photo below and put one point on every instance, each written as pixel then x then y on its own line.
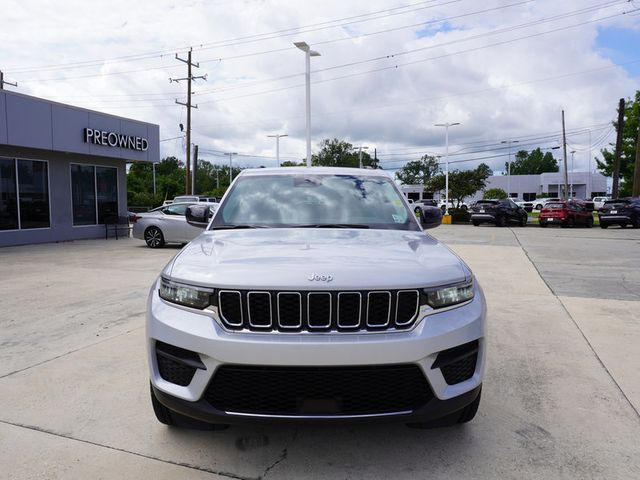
pixel 387 72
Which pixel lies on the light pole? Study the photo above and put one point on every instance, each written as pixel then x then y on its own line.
pixel 231 154
pixel 308 53
pixel 509 166
pixel 572 152
pixel 446 177
pixel 360 154
pixel 277 137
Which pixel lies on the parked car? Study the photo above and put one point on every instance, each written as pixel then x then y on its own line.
pixel 598 202
pixel 539 203
pixel 165 225
pixel 498 212
pixel 565 214
pixel 452 204
pixel 194 199
pixel 623 212
pixel 314 295
pixel 528 206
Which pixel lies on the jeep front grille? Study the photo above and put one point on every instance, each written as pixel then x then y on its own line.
pixel 348 311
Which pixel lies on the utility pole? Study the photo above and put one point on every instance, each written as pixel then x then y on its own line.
pixel 616 159
pixel 189 78
pixel 564 149
pixel 277 137
pixel 509 142
pixel 446 176
pixel 231 154
pixel 3 81
pixel 195 169
pixel 636 173
pixel 153 167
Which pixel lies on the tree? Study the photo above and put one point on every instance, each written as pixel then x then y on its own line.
pixel 628 150
pixel 532 163
pixel 340 153
pixel 290 163
pixel 462 183
pixel 418 172
pixel 495 193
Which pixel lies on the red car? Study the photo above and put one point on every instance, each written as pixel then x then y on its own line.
pixel 565 214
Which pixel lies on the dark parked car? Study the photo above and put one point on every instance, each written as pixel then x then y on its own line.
pixel 499 212
pixel 566 214
pixel 623 212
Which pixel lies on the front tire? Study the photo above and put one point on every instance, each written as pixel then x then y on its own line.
pixel 168 417
pixel 475 224
pixel 603 225
pixel 590 222
pixel 523 221
pixel 464 415
pixel 153 237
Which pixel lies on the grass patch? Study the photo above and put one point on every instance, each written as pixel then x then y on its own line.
pixel 533 219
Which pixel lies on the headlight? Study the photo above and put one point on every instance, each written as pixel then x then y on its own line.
pixel 187 295
pixel 444 297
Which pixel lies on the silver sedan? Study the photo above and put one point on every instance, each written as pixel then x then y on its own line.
pixel 166 224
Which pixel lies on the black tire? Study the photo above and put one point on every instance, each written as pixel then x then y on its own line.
pixel 635 222
pixel 539 206
pixel 568 224
pixel 501 221
pixel 603 225
pixel 475 224
pixel 523 221
pixel 168 417
pixel 543 225
pixel 590 222
pixel 463 415
pixel 153 237
pixel 468 412
pixel 623 225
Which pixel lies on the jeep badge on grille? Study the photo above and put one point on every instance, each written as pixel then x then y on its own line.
pixel 317 277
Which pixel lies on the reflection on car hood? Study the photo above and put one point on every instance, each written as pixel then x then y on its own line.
pixel 285 258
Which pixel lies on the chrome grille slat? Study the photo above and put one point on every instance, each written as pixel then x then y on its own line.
pixel 317 311
pixel 282 298
pixel 373 302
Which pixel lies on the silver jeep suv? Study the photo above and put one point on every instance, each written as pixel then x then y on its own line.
pixel 314 295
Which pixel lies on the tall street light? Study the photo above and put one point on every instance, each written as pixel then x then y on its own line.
pixel 231 154
pixel 509 142
pixel 572 152
pixel 446 177
pixel 308 53
pixel 360 154
pixel 277 137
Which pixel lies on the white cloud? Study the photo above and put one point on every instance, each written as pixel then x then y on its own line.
pixel 494 92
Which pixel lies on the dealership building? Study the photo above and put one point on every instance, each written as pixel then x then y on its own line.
pixel 63 168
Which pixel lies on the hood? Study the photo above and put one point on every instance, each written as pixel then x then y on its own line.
pixel 305 259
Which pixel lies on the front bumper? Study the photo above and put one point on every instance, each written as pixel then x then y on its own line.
pixel 215 346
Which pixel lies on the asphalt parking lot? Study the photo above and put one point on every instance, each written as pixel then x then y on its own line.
pixel 561 397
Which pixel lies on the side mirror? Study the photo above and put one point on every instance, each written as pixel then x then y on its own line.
pixel 198 215
pixel 431 217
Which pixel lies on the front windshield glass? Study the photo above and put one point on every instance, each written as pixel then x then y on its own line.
pixel 314 200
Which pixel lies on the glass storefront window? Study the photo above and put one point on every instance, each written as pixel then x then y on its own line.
pixel 8 195
pixel 33 185
pixel 107 191
pixel 83 194
pixel 94 191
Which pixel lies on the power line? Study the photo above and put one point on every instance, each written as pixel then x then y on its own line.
pixel 227 42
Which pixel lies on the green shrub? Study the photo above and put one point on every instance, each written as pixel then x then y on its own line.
pixel 495 193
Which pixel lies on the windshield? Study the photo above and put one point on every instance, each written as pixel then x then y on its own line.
pixel 314 200
pixel 554 205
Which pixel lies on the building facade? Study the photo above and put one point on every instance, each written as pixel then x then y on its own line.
pixel 583 185
pixel 63 168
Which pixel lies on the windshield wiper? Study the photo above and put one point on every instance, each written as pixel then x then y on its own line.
pixel 239 226
pixel 332 225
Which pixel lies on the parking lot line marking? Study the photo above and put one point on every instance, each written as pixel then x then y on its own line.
pixel 573 320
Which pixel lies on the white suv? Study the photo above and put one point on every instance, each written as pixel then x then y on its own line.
pixel 314 295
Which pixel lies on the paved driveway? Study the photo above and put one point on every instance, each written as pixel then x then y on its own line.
pixel 560 399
